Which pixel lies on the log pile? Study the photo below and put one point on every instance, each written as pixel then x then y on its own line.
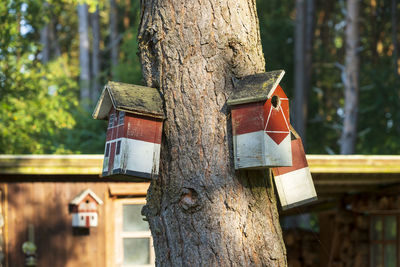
pixel 302 248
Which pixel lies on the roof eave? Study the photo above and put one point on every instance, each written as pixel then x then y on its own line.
pixel 246 100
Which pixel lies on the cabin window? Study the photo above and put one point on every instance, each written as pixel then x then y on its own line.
pixel 121 118
pixel 111 121
pixel 134 244
pixel 118 148
pixel 108 149
pixel 383 240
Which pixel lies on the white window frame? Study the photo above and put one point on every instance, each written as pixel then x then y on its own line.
pixel 120 234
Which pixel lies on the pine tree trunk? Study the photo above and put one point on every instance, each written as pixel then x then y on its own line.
pixel 351 84
pixel 394 38
pixel 84 55
pixel 44 41
pixel 95 22
pixel 201 212
pixel 300 71
pixel 114 40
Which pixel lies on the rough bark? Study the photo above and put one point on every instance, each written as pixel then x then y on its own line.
pixel 84 55
pixel 351 83
pixel 114 40
pixel 201 212
pixel 95 22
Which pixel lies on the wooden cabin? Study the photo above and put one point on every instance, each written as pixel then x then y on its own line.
pixel 135 116
pixel 357 196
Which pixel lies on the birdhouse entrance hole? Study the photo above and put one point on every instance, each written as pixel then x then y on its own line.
pixel 276 102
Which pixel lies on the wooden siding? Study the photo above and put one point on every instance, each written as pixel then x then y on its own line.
pixel 45 205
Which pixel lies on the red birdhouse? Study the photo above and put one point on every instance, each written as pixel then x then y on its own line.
pixel 260 122
pixel 135 116
pixel 84 209
pixel 294 184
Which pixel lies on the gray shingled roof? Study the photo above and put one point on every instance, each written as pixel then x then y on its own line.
pixel 130 98
pixel 254 88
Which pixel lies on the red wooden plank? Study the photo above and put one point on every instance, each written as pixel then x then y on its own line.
pixel 247 118
pixel 298 158
pixel 143 128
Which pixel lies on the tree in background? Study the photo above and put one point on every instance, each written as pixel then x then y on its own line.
pixel 52 39
pixel 351 79
pixel 304 35
pixel 84 55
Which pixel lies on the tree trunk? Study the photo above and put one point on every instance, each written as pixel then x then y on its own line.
pixel 300 71
pixel 201 212
pixel 95 18
pixel 44 41
pixel 308 51
pixel 351 84
pixel 55 46
pixel 84 55
pixel 114 40
pixel 394 38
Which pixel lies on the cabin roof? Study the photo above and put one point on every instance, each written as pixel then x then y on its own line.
pixel 129 98
pixel 78 199
pixel 254 88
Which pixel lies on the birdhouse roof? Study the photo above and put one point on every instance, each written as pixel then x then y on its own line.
pixel 78 199
pixel 130 98
pixel 254 88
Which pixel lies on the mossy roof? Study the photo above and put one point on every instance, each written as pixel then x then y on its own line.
pixel 255 88
pixel 129 98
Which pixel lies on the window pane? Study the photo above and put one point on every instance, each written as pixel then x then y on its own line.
pixel 376 255
pixel 118 147
pixel 107 149
pixel 121 117
pixel 390 255
pixel 376 228
pixel 136 250
pixel 390 227
pixel 133 219
pixel 111 121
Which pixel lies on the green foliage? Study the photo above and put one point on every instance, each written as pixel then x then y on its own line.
pixel 41 113
pixel 39 104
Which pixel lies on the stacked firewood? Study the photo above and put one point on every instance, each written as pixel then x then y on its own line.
pixel 302 248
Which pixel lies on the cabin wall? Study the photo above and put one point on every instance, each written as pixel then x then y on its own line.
pixel 45 206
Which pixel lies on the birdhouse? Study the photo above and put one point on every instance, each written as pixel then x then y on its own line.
pixel 260 122
pixel 294 184
pixel 84 209
pixel 135 115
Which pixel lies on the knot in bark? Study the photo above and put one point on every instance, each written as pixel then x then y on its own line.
pixel 189 201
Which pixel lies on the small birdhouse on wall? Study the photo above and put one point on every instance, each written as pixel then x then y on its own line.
pixel 294 184
pixel 260 122
pixel 84 209
pixel 135 116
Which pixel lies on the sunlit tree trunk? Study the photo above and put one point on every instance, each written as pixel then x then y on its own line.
pixel 95 22
pixel 84 55
pixel 201 212
pixel 351 83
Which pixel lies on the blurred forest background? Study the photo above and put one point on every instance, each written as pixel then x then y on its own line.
pixel 55 55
